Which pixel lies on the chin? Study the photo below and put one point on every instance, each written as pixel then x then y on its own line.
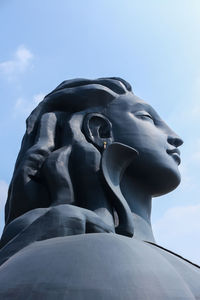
pixel 156 179
pixel 165 182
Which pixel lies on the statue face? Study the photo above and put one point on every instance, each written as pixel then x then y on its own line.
pixel 136 124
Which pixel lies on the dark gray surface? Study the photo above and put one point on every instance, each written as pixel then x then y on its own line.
pixel 78 214
pixel 97 266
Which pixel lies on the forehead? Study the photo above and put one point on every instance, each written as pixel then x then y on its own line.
pixel 131 103
pixel 131 100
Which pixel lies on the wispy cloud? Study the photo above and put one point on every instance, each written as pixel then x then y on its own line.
pixel 3 192
pixel 3 196
pixel 195 111
pixel 20 62
pixel 188 113
pixel 178 230
pixel 195 157
pixel 38 98
pixel 23 107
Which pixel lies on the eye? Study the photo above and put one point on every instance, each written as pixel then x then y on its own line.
pixel 144 116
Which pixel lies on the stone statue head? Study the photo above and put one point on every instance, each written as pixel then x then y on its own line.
pixel 80 136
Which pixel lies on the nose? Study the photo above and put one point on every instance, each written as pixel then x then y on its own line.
pixel 175 140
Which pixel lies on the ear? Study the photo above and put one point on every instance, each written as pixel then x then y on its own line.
pixel 98 130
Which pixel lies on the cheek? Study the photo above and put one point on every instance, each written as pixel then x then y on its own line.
pixel 154 144
pixel 148 139
pixel 142 135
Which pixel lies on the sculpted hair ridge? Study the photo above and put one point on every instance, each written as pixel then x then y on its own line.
pixel 46 128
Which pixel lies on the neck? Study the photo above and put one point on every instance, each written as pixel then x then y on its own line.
pixel 140 203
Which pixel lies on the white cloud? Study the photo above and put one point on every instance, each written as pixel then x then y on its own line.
pixel 3 197
pixel 38 98
pixel 195 157
pixel 187 115
pixel 3 192
pixel 186 178
pixel 21 61
pixel 193 109
pixel 23 107
pixel 178 230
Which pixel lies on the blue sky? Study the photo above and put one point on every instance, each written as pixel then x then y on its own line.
pixel 154 45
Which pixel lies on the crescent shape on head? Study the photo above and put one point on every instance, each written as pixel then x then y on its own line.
pixel 115 160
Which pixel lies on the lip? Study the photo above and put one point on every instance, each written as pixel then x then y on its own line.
pixel 175 153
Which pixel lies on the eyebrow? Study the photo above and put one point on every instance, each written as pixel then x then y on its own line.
pixel 142 106
pixel 148 108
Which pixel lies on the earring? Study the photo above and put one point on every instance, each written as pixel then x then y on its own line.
pixel 104 145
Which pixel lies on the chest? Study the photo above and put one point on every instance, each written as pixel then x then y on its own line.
pixel 97 266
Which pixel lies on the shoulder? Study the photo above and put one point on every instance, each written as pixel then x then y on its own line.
pixel 101 266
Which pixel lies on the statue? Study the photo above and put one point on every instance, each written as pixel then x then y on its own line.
pixel 78 213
